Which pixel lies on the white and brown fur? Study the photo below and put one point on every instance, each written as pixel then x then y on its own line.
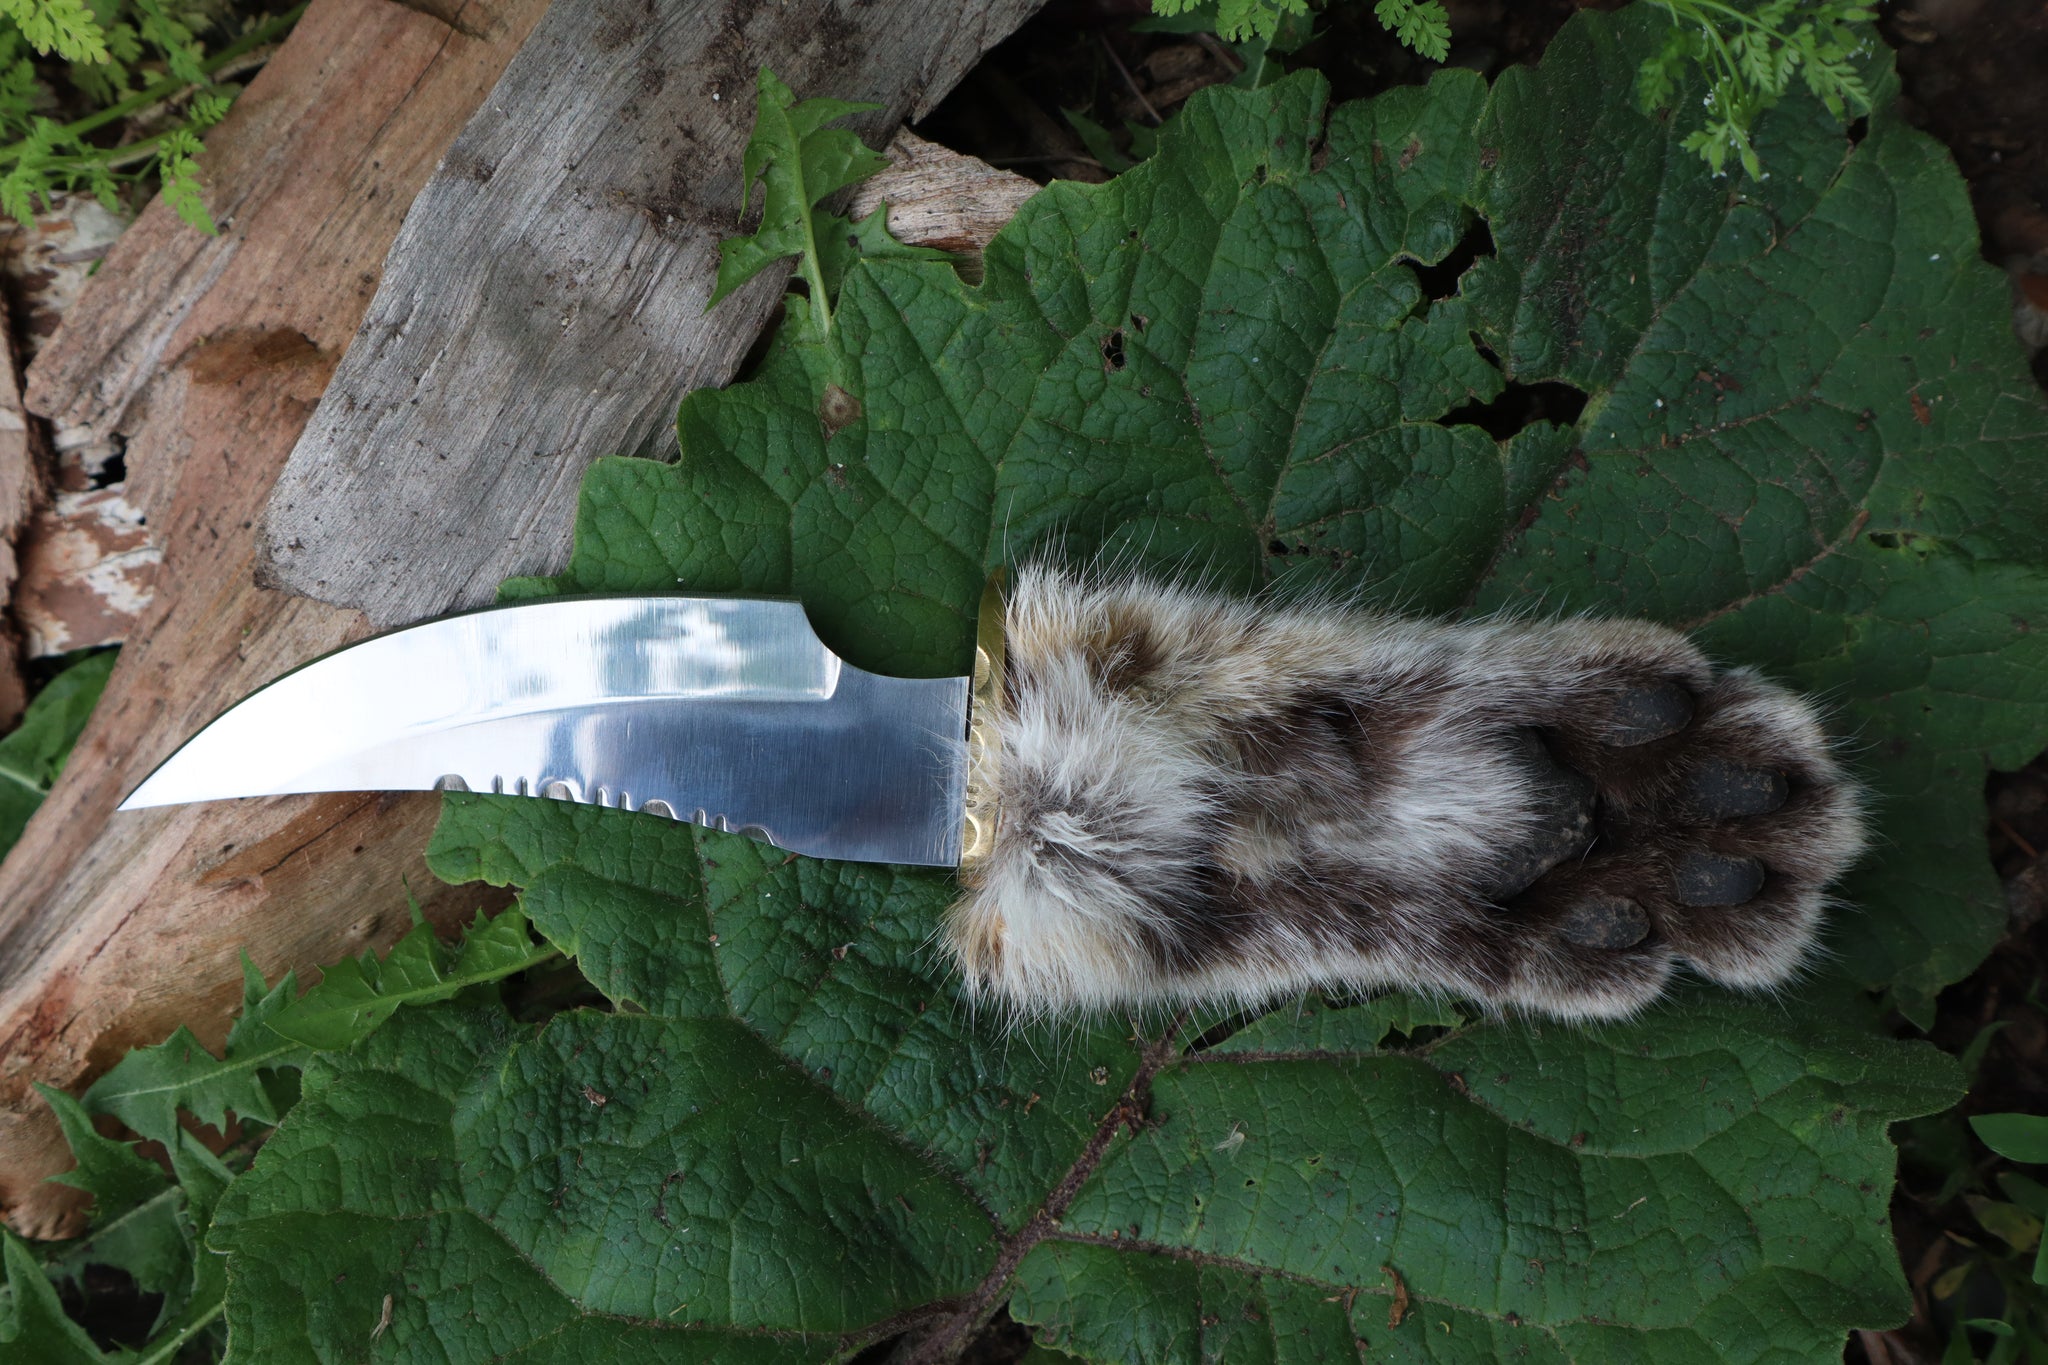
pixel 1203 799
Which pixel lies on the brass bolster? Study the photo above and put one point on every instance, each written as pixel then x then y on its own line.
pixel 979 837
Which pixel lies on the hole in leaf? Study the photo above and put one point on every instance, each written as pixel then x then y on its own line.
pixel 1910 541
pixel 1113 351
pixel 750 363
pixel 111 1306
pixel 1222 1029
pixel 1857 130
pixel 1518 407
pixel 1440 281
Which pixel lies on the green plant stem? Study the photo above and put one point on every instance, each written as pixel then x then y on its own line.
pixel 127 154
pixel 1709 5
pixel 171 85
pixel 814 276
pixel 1729 68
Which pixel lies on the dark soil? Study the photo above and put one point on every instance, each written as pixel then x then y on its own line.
pixel 1974 74
pixel 1084 56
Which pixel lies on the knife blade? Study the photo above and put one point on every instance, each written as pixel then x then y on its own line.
pixel 729 712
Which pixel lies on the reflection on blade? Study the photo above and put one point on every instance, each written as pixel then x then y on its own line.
pixel 728 712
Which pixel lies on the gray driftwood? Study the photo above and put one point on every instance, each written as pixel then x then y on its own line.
pixel 544 302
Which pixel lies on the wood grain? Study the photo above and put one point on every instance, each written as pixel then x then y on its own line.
pixel 209 353
pixel 570 322
pixel 939 198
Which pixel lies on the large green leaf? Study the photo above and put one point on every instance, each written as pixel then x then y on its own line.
pixel 1805 433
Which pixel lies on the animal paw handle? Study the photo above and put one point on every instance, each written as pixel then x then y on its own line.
pixel 1180 796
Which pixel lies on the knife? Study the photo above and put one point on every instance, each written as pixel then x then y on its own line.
pixel 726 711
pixel 1152 792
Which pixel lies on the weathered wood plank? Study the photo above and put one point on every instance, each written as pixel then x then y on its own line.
pixel 208 353
pixel 939 198
pixel 568 321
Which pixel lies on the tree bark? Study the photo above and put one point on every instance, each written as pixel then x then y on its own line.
pixel 571 320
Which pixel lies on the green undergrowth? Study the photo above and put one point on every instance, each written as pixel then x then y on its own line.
pixel 1790 419
pixel 151 1217
pixel 33 754
pixel 141 81
pixel 1747 54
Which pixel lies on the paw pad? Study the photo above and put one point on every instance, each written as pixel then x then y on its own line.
pixel 1721 817
pixel 1706 880
pixel 1608 922
pixel 1643 715
pixel 1721 790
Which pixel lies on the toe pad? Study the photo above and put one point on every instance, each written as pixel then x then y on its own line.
pixel 1607 922
pixel 1703 880
pixel 1643 714
pixel 1721 790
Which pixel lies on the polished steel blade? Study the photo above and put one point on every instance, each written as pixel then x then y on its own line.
pixel 726 711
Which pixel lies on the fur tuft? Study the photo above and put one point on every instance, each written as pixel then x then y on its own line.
pixel 1201 799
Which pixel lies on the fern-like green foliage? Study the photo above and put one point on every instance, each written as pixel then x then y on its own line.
pixel 1422 25
pixel 1750 54
pixel 1238 20
pixel 65 27
pixel 1750 57
pixel 129 58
